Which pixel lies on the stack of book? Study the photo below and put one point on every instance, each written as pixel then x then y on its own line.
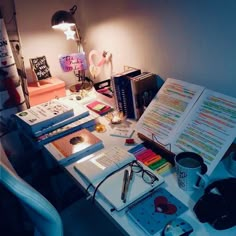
pixel 47 121
pixel 133 91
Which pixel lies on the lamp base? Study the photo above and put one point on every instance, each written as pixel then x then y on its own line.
pixel 85 85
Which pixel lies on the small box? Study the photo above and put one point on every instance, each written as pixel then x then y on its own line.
pixel 48 89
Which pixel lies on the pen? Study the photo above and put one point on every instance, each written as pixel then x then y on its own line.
pixel 127 184
pixel 125 180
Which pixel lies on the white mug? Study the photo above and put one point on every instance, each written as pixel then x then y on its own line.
pixel 190 170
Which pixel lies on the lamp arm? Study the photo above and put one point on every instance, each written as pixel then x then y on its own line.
pixel 79 40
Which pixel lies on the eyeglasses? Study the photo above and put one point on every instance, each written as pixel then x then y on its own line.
pixel 147 175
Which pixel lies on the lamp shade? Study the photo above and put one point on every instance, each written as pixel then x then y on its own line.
pixel 62 19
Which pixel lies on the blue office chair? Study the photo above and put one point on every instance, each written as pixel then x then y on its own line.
pixel 81 218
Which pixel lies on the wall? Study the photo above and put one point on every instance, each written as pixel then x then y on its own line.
pixel 38 38
pixel 188 40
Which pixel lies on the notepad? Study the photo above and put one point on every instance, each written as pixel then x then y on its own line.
pixel 105 162
pixel 156 210
pixel 111 189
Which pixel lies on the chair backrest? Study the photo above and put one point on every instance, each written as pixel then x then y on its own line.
pixel 43 215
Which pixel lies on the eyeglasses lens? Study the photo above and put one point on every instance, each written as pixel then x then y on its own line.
pixel 136 167
pixel 147 176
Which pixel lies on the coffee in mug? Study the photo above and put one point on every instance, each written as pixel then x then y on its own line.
pixel 190 170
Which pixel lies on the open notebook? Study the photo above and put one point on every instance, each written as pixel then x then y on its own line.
pixel 101 164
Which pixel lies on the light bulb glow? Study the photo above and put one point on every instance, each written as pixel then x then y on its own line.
pixel 63 26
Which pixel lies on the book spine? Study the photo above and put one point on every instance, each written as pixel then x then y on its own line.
pixel 114 92
pixel 127 98
pixel 117 83
pixel 134 92
pixel 60 124
pixel 86 122
pixel 120 81
pixel 145 88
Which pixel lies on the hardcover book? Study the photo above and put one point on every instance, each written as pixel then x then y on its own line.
pixel 121 85
pixel 44 115
pixel 80 111
pixel 87 122
pixel 188 117
pixel 144 88
pixel 112 162
pixel 74 146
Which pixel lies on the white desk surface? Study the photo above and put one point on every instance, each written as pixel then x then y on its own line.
pixel 122 219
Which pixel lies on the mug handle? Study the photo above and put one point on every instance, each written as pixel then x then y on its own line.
pixel 204 178
pixel 203 171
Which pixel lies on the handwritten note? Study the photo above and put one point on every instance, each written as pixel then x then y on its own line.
pixel 40 67
pixel 74 61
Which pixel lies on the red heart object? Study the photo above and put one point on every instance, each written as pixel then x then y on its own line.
pixel 163 206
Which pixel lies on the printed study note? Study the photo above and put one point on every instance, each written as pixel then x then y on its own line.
pixel 188 117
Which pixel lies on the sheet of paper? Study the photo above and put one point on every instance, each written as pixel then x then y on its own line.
pixel 210 129
pixel 104 160
pixel 168 109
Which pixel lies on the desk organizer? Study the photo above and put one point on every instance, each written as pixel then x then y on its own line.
pixel 48 89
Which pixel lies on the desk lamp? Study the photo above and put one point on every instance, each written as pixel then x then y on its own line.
pixel 64 20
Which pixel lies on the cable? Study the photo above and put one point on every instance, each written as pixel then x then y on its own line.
pixel 96 189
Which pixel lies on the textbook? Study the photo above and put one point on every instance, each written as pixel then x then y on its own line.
pixel 120 84
pixel 112 162
pixel 143 89
pixel 80 111
pixel 44 115
pixel 188 117
pixel 74 146
pixel 87 122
